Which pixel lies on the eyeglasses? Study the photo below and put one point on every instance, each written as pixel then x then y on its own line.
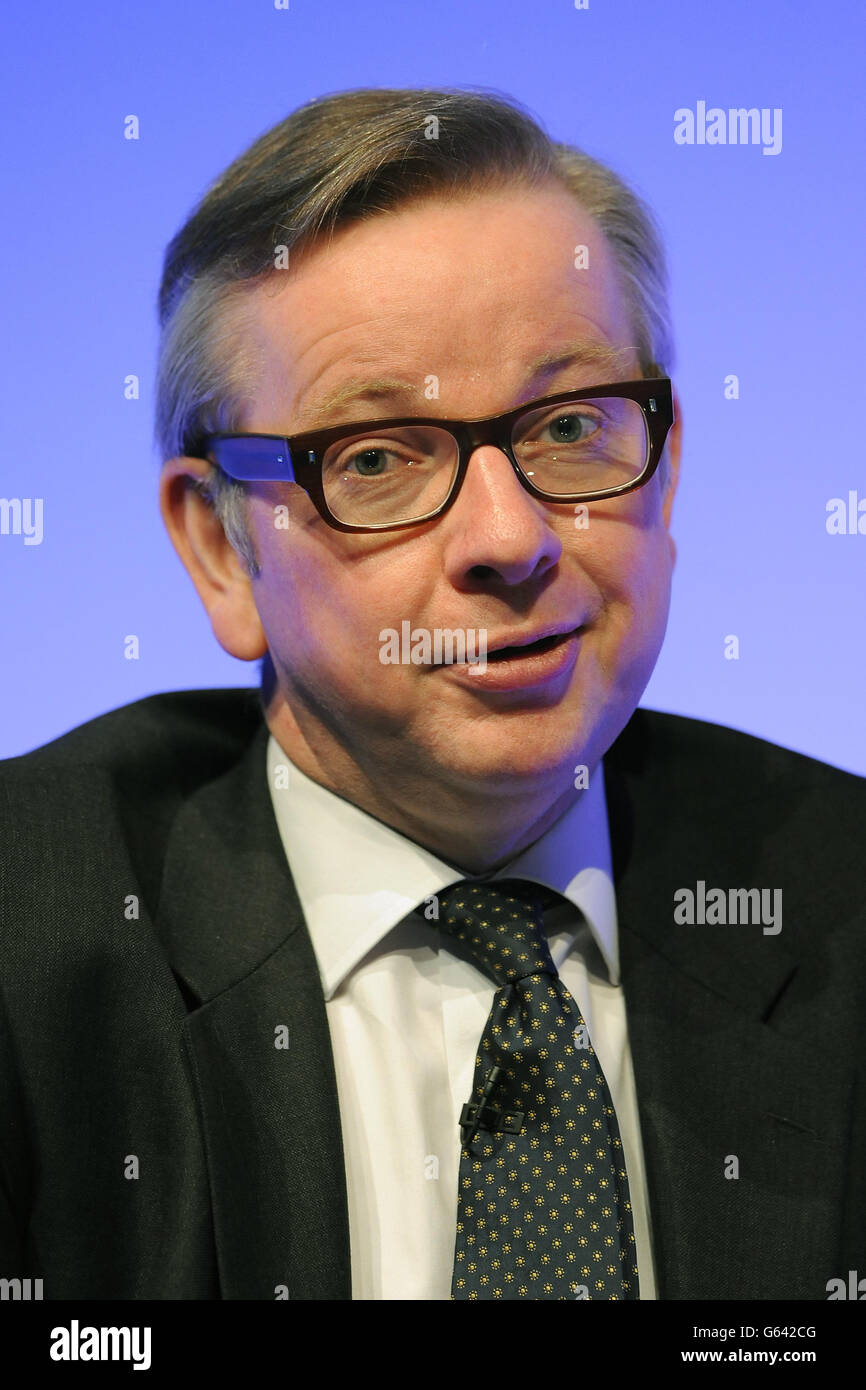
pixel 379 475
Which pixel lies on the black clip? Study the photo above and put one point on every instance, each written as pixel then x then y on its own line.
pixel 472 1117
pixel 491 1119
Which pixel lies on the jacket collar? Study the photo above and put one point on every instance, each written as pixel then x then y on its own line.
pixel 258 1043
pixel 744 1109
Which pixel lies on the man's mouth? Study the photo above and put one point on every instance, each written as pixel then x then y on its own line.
pixel 543 644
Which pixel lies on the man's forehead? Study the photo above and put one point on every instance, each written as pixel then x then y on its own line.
pixel 345 336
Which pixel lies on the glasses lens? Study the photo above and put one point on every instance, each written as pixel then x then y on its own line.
pixel 582 446
pixel 399 475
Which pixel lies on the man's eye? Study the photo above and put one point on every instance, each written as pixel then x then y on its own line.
pixel 367 463
pixel 572 428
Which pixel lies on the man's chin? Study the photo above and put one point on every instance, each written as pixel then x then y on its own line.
pixel 508 759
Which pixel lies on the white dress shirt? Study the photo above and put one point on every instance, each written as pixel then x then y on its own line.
pixel 406 1017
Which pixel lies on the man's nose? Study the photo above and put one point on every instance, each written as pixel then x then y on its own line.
pixel 496 524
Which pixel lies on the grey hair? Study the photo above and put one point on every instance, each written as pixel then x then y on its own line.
pixel 341 159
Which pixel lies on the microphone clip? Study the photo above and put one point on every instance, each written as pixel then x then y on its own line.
pixel 485 1116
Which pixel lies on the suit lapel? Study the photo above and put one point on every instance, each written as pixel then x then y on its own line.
pixel 233 929
pixel 728 1079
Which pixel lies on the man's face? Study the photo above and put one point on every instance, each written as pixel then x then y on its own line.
pixel 469 292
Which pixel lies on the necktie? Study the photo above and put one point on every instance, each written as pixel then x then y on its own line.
pixel 543 1200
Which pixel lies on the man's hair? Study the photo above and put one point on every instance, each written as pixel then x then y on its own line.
pixel 342 159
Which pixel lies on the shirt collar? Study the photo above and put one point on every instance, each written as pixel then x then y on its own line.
pixel 341 857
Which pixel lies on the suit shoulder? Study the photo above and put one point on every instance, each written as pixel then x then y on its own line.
pixel 85 819
pixel 682 749
pixel 114 784
pixel 183 735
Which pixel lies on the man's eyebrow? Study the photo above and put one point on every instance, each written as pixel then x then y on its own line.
pixel 321 410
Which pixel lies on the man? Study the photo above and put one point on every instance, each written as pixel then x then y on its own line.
pixel 254 1043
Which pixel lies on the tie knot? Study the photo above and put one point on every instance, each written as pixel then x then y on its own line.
pixel 501 924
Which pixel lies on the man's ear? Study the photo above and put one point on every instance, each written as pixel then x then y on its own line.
pixel 217 571
pixel 673 447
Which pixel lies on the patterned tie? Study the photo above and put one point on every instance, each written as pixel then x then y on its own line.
pixel 543 1200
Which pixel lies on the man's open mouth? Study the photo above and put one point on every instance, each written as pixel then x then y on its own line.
pixel 544 644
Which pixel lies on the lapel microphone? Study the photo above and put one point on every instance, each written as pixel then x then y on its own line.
pixel 471 1115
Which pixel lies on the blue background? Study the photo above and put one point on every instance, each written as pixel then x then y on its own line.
pixel 766 257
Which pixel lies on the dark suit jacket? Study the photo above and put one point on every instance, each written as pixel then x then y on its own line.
pixel 152 1035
